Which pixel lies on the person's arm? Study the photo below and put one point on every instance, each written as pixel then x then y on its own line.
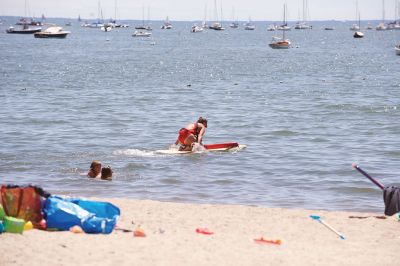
pixel 90 174
pixel 201 133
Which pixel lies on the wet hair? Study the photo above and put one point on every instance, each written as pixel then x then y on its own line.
pixel 106 173
pixel 202 120
pixel 94 163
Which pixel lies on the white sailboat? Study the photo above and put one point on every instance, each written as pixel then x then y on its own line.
pixel 358 34
pixel 249 25
pixel 144 26
pixel 167 25
pixel 355 26
pixel 303 25
pixel 216 25
pixel 382 25
pixel 280 43
pixel 234 24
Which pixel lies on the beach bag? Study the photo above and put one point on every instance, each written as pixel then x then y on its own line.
pixel 93 216
pixel 23 202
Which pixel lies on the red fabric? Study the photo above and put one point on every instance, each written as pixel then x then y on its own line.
pixel 183 134
pixel 22 202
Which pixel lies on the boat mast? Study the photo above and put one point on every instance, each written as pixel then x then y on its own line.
pixel 215 11
pixel 221 13
pixel 383 11
pixel 115 11
pixel 284 21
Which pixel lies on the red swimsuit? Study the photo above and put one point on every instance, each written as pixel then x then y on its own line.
pixel 184 133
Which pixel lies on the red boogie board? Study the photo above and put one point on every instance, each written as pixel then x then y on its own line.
pixel 221 146
pixel 209 147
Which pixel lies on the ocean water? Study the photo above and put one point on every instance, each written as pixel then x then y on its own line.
pixel 306 114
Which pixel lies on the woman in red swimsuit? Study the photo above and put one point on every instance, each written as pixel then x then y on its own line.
pixel 191 134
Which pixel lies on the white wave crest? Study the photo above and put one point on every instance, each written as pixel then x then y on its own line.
pixel 135 153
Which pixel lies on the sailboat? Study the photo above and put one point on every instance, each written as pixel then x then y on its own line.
pixel 358 34
pixel 167 25
pixel 234 24
pixel 249 25
pixel 382 25
pixel 303 25
pixel 216 25
pixel 356 27
pixel 144 26
pixel 26 23
pixel 280 43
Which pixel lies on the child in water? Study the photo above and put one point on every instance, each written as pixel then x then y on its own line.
pixel 95 170
pixel 106 173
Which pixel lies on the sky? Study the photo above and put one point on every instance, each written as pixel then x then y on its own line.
pixel 191 10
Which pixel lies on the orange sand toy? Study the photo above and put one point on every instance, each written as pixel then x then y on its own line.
pixel 139 232
pixel 261 240
pixel 76 229
pixel 204 231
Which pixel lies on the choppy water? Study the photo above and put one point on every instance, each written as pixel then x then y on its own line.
pixel 305 115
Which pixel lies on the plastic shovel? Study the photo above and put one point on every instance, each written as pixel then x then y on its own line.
pixel 317 218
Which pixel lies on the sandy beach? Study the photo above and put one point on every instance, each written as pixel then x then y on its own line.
pixel 171 238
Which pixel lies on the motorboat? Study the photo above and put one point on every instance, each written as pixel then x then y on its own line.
pixel 25 30
pixel 329 28
pixel 278 43
pixel 141 33
pixel 52 32
pixel 195 28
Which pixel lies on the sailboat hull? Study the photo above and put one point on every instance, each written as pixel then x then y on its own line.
pixel 280 45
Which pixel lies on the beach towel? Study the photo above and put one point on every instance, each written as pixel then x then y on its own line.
pixel 391 197
pixel 93 216
pixel 24 202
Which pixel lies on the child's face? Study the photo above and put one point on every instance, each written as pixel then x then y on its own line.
pixel 97 168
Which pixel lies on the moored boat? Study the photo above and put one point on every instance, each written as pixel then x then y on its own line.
pixel 25 30
pixel 358 34
pixel 397 49
pixel 280 43
pixel 52 32
pixel 141 33
pixel 195 28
